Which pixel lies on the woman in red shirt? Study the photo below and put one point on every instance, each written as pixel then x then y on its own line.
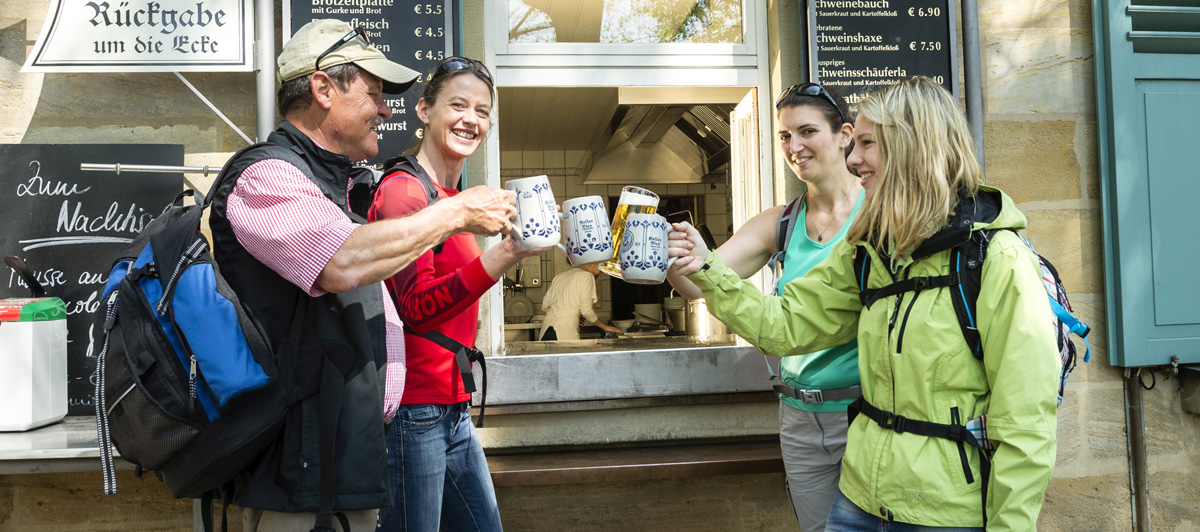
pixel 437 472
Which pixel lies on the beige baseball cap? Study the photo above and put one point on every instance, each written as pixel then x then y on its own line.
pixel 299 55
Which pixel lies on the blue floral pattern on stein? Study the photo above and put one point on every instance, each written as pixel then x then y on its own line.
pixel 644 255
pixel 541 225
pixel 580 242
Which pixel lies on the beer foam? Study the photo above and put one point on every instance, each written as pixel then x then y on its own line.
pixel 633 198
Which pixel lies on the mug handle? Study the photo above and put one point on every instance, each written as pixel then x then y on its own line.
pixel 559 245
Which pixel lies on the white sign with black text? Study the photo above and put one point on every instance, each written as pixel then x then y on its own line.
pixel 145 36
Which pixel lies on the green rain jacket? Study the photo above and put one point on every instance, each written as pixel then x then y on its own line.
pixel 914 362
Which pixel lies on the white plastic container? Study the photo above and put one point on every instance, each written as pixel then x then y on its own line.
pixel 33 362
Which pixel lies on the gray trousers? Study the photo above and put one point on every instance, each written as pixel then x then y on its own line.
pixel 813 444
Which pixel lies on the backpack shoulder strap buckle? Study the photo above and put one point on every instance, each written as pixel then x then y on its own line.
pixel 891 421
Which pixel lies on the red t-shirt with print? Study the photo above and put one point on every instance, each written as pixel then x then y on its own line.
pixel 438 291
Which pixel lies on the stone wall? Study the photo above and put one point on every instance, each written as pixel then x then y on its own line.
pixel 1041 145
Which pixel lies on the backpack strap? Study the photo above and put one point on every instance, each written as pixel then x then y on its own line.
pixel 783 238
pixel 964 281
pixel 816 397
pixel 962 434
pixel 966 262
pixel 408 167
pixel 900 424
pixel 463 356
pixel 862 269
pixel 868 296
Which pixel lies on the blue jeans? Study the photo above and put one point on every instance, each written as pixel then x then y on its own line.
pixel 846 517
pixel 437 473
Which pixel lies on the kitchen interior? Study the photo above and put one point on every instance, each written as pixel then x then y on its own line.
pixel 594 141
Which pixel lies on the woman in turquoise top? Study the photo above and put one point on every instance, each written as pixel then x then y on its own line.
pixel 815 134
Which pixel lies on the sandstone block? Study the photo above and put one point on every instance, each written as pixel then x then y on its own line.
pixel 1087 151
pixel 995 15
pixel 1105 424
pixel 1087 503
pixel 1071 240
pixel 1032 160
pixel 1039 71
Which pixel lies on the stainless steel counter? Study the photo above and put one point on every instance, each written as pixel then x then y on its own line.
pixel 633 342
pixel 67 446
pixel 584 370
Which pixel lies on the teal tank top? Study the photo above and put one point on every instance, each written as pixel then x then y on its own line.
pixel 829 369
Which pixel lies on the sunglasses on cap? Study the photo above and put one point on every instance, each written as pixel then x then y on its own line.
pixel 456 63
pixel 811 89
pixel 360 32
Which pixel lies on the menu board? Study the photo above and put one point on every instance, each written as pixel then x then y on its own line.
pixel 415 34
pixel 69 225
pixel 858 46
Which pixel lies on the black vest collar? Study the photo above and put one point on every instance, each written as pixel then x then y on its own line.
pixel 330 171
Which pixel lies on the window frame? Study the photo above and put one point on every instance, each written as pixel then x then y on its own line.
pixel 618 54
pixel 640 373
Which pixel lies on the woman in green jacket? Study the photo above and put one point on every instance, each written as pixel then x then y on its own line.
pixel 924 196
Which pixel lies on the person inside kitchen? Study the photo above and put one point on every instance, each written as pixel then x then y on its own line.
pixel 570 297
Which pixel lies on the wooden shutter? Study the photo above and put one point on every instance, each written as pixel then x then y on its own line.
pixel 1148 106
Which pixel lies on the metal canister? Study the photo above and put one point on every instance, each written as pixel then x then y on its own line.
pixel 700 324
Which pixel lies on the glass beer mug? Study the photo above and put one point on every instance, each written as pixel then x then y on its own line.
pixel 633 200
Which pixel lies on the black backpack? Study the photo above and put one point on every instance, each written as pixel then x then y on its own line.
pixel 965 281
pixel 187 383
pixel 966 272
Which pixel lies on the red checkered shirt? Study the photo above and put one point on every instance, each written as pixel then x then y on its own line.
pixel 283 220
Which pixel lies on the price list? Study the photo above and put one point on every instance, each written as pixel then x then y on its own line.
pixel 858 46
pixel 417 35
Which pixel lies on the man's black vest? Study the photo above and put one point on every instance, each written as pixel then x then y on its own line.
pixel 287 477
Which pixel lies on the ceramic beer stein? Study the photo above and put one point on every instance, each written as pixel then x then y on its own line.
pixel 538 222
pixel 585 231
pixel 643 253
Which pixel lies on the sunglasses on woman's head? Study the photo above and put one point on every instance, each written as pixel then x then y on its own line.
pixel 456 63
pixel 360 32
pixel 810 89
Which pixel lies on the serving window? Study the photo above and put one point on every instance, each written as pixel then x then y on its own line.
pixel 598 95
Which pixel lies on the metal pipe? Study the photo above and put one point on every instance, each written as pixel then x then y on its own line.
pixel 264 66
pixel 1135 430
pixel 213 107
pixel 147 168
pixel 971 73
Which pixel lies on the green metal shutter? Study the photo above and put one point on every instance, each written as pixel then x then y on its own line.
pixel 1148 107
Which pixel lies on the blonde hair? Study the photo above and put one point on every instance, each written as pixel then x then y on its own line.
pixel 926 158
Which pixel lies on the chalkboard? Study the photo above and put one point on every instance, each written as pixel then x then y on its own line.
pixel 417 35
pixel 859 46
pixel 69 225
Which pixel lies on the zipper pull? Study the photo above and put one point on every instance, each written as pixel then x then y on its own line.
pixel 192 386
pixel 895 313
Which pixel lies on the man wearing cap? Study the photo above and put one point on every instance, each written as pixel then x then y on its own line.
pixel 311 272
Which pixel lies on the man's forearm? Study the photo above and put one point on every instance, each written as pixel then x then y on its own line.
pixel 378 250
